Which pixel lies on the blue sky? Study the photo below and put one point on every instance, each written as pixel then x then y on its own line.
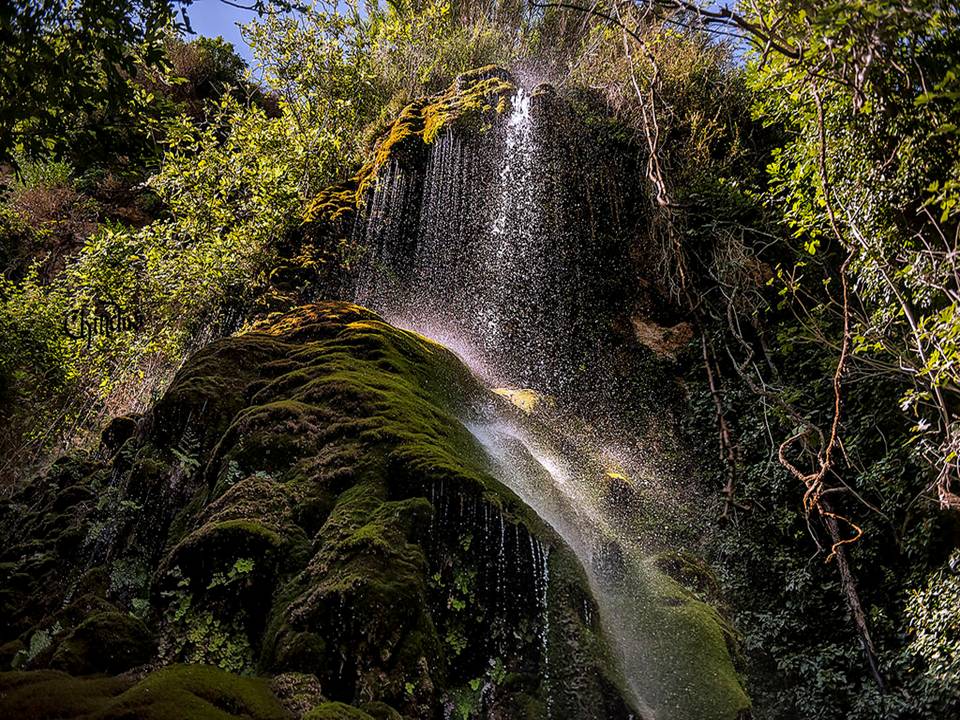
pixel 213 18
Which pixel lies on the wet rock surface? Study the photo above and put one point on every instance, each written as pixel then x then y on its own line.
pixel 303 503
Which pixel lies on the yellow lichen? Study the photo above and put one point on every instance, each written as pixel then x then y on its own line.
pixel 473 99
pixel 524 398
pixel 333 203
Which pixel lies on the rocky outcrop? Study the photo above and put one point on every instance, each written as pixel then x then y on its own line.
pixel 665 341
pixel 303 503
pixel 470 104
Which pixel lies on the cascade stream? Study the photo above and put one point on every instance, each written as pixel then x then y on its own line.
pixel 480 253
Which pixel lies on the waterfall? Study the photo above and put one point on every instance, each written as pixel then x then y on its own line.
pixel 478 252
pixel 510 251
pixel 483 260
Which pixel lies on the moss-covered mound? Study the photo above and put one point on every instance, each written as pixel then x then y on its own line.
pixel 176 692
pixel 303 504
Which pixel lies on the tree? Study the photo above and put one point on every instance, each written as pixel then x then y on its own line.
pixel 61 59
pixel 64 59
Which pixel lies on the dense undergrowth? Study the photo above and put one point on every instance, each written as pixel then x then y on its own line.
pixel 801 214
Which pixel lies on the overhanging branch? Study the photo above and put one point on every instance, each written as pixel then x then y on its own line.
pixel 724 16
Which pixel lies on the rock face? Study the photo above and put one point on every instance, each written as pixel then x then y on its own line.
pixel 303 503
pixel 664 341
pixel 312 256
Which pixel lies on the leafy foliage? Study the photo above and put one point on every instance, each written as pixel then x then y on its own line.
pixel 236 172
pixel 73 72
pixel 839 342
pixel 874 144
pixel 64 60
pixel 804 214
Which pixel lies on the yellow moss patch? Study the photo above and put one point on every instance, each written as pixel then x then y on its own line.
pixel 333 203
pixel 474 99
pixel 524 398
pixel 305 315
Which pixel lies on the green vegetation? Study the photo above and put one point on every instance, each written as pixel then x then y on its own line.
pixel 793 204
pixel 177 691
pixel 191 252
pixel 803 220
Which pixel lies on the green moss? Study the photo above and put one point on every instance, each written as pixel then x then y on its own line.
pixel 107 642
pixel 208 392
pixel 333 204
pixel 54 695
pixel 298 692
pixel 336 711
pixel 470 104
pixel 380 711
pixel 693 645
pixel 366 569
pixel 689 571
pixel 370 416
pixel 688 646
pixel 43 529
pixel 283 517
pixel 172 693
pixel 197 692
pixel 216 545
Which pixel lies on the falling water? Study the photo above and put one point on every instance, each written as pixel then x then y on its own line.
pixel 510 251
pixel 484 257
pixel 475 251
pixel 545 630
pixel 567 492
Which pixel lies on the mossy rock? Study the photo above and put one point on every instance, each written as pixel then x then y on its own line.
pixel 172 693
pixel 380 711
pixel 363 419
pixel 691 572
pixel 197 691
pixel 44 526
pixel 307 500
pixel 55 695
pixel 313 253
pixel 118 431
pixel 216 546
pixel 367 586
pixel 694 647
pixel 336 711
pixel 471 103
pixel 106 642
pixel 298 692
pixel 207 393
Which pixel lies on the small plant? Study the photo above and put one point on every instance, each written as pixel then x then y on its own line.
pixel 43 173
pixel 195 634
pixel 241 568
pixel 456 640
pixel 40 642
pixel 129 578
pixel 232 473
